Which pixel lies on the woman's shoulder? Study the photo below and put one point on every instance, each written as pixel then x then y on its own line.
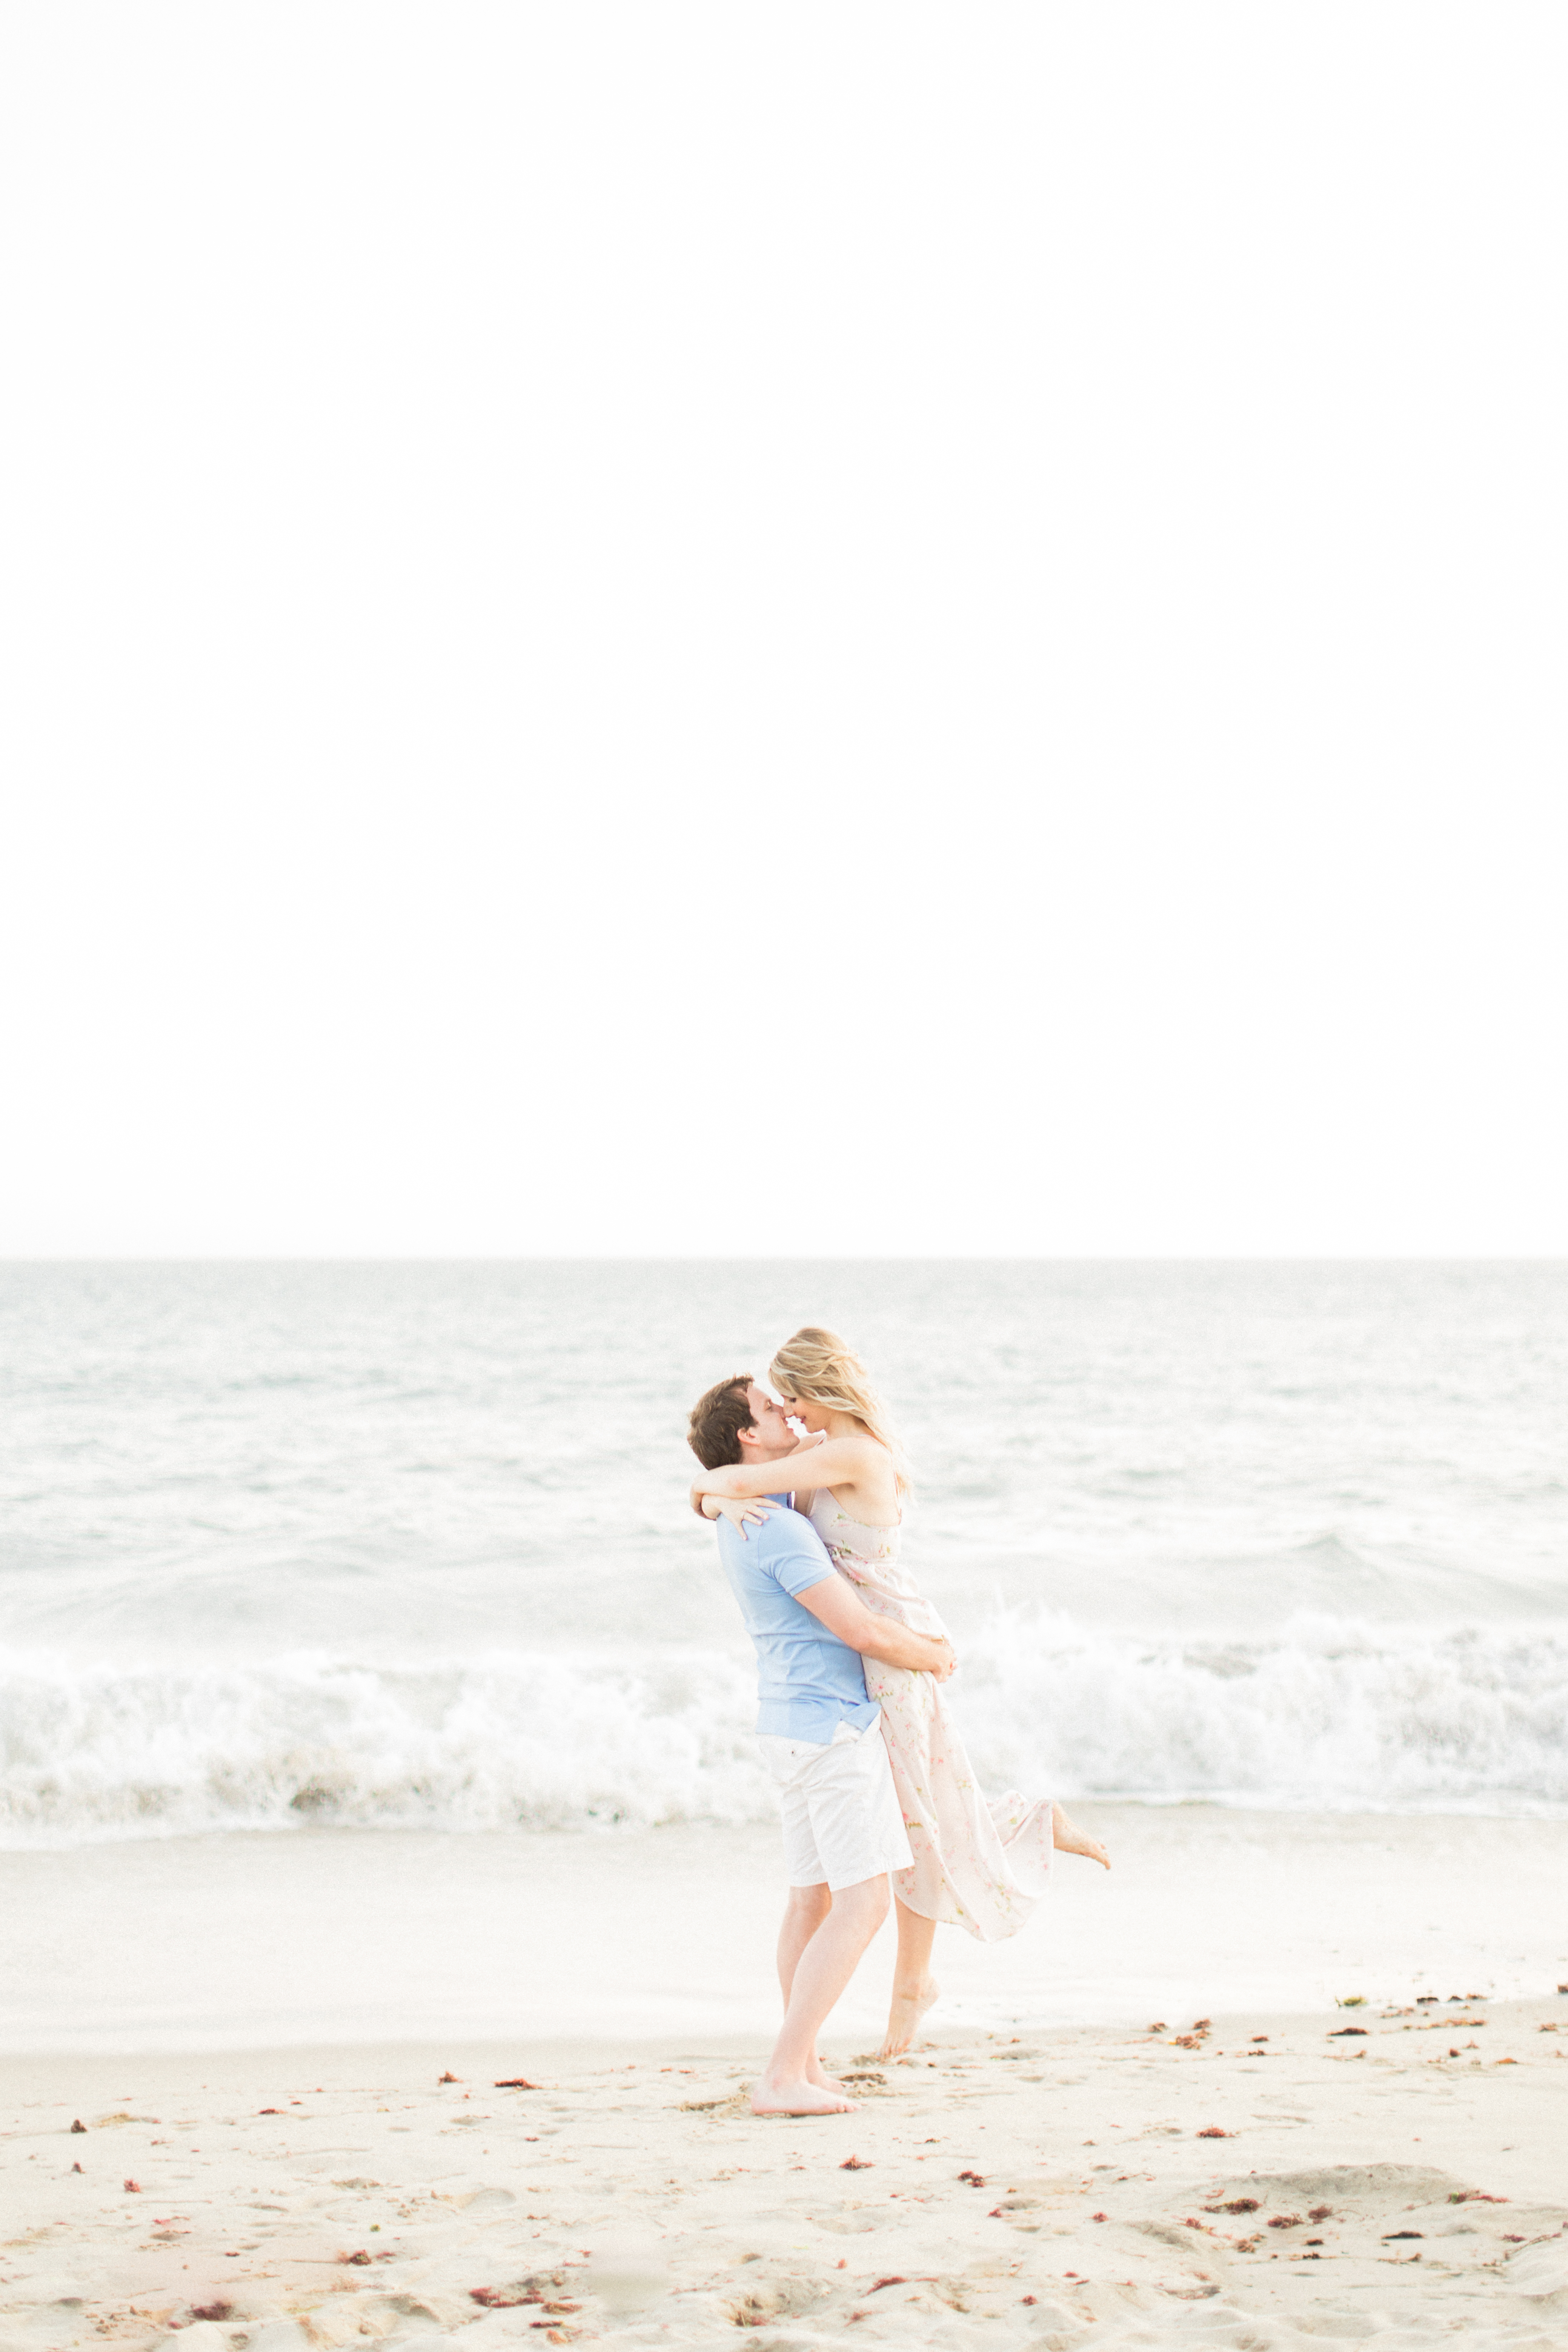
pixel 877 1465
pixel 864 1450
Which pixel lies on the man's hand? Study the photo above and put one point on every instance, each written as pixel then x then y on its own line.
pixel 947 1658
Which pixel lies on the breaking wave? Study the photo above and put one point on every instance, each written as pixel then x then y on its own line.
pixel 1327 1714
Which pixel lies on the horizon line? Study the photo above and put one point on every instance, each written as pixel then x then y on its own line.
pixel 803 1257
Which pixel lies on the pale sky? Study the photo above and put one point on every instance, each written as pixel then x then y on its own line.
pixel 772 630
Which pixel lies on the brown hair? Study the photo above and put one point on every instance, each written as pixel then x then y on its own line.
pixel 713 1432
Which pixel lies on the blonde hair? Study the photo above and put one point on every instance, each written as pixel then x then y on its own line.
pixel 824 1370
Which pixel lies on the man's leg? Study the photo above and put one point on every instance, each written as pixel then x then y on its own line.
pixel 822 1967
pixel 804 1914
pixel 796 1764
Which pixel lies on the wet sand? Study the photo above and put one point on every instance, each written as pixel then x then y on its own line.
pixel 329 1937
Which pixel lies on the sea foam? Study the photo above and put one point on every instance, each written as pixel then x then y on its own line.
pixel 1330 1714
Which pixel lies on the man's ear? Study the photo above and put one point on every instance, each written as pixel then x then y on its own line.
pixel 749 1436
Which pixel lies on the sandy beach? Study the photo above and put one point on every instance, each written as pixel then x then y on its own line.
pixel 1393 2177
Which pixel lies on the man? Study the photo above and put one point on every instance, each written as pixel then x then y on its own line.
pixel 820 1735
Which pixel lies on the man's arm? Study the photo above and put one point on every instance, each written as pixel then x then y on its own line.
pixel 835 1606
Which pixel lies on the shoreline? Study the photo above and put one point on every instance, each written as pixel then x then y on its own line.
pixel 332 1937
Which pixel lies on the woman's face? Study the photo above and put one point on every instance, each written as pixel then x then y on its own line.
pixel 811 1416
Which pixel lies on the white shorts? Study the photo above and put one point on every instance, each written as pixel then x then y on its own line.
pixel 842 1817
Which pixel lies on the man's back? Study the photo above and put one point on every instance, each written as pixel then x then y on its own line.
pixel 808 1681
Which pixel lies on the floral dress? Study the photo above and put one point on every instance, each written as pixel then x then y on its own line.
pixel 979 1863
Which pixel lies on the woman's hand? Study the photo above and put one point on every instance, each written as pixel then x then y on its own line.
pixel 737 1511
pixel 748 1507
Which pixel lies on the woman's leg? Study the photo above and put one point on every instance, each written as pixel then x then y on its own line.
pixel 1067 1838
pixel 914 1986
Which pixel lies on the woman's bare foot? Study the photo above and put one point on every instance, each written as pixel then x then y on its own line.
pixel 817 2075
pixel 1067 1838
pixel 799 2099
pixel 904 2015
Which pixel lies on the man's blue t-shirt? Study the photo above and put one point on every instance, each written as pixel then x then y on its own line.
pixel 808 1681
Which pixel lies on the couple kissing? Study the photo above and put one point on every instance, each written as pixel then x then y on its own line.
pixel 853 1719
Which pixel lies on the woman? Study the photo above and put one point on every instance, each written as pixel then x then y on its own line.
pixel 979 1863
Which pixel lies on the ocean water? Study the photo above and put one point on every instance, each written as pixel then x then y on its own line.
pixel 407 1546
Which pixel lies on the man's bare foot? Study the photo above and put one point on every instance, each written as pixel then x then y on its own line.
pixel 1067 1838
pixel 904 2014
pixel 799 2099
